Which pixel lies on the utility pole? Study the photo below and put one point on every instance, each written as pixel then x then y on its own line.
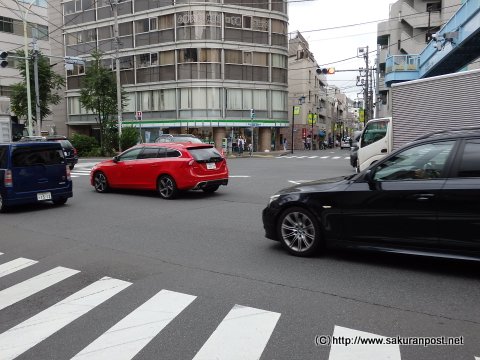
pixel 114 5
pixel 38 116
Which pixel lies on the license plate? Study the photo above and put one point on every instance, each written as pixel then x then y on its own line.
pixel 211 166
pixel 44 196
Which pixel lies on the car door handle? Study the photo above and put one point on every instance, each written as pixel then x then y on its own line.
pixel 423 197
pixel 383 150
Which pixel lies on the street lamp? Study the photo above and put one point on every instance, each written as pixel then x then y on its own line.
pixel 23 16
pixel 301 100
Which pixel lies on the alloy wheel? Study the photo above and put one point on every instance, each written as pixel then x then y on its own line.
pixel 299 232
pixel 100 182
pixel 166 187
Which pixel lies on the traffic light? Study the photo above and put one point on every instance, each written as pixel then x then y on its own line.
pixel 326 71
pixel 3 59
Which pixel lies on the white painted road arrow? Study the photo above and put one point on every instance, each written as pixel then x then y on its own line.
pixel 361 352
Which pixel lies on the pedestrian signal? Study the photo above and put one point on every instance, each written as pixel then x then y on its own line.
pixel 3 59
pixel 326 71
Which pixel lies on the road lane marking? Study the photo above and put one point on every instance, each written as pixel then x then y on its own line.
pixel 29 333
pixel 361 352
pixel 33 285
pixel 324 157
pixel 130 335
pixel 239 176
pixel 15 265
pixel 242 335
pixel 336 157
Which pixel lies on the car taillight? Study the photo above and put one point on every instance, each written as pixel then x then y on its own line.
pixel 8 180
pixel 69 174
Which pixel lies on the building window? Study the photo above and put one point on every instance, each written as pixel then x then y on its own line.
pixel 6 25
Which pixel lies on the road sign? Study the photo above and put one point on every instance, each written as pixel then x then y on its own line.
pixel 296 110
pixel 139 115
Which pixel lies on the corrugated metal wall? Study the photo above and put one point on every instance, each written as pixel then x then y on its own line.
pixel 437 103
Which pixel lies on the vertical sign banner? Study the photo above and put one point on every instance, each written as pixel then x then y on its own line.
pixel 296 110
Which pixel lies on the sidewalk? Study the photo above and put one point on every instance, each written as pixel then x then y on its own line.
pixel 264 154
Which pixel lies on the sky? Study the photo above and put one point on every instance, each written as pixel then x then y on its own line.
pixel 312 17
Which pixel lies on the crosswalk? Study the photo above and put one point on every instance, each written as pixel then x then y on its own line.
pixel 75 173
pixel 335 157
pixel 242 334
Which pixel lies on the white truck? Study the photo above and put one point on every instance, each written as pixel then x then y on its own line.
pixel 420 107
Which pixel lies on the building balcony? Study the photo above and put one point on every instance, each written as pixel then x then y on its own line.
pixel 401 68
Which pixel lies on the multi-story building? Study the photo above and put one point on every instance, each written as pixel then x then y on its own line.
pixel 12 35
pixel 409 29
pixel 187 66
pixel 316 109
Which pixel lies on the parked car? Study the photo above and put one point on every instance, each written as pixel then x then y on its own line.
pixel 354 149
pixel 178 138
pixel 71 154
pixel 165 167
pixel 421 199
pixel 33 172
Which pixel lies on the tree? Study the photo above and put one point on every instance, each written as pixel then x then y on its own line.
pixel 48 82
pixel 99 96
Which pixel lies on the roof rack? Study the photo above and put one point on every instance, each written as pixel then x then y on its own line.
pixel 440 132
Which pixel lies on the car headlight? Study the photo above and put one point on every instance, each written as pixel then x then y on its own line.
pixel 273 198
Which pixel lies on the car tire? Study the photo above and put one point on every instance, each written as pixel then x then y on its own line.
pixel 60 201
pixel 211 189
pixel 3 207
pixel 166 187
pixel 100 182
pixel 299 232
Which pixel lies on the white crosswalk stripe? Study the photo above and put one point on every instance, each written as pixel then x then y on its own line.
pixel 15 265
pixel 125 339
pixel 33 285
pixel 361 352
pixel 27 334
pixel 242 335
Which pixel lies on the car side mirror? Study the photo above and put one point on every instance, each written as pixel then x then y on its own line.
pixel 369 179
pixel 115 159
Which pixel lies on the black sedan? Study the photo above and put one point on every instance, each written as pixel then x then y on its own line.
pixel 422 199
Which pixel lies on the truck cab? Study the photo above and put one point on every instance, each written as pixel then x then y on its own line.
pixel 376 142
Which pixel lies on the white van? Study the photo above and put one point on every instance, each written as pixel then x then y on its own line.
pixel 376 142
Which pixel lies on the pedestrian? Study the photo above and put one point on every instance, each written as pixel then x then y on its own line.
pixel 250 149
pixel 240 145
pixel 284 144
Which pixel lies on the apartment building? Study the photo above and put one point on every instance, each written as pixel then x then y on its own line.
pixel 409 29
pixel 12 35
pixel 316 110
pixel 187 66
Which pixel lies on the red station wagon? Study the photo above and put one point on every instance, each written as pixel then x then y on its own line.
pixel 165 167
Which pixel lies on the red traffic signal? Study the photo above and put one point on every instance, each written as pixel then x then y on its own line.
pixel 3 59
pixel 326 71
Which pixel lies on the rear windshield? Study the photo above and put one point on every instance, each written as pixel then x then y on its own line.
pixel 37 155
pixel 65 144
pixel 205 154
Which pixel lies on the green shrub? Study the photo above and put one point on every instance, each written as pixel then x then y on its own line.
pixel 84 144
pixel 129 137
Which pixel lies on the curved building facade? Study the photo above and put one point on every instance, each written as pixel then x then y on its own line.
pixel 187 66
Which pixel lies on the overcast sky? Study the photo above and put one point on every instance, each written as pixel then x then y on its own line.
pixel 330 46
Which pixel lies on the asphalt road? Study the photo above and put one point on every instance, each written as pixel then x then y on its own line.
pixel 241 293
